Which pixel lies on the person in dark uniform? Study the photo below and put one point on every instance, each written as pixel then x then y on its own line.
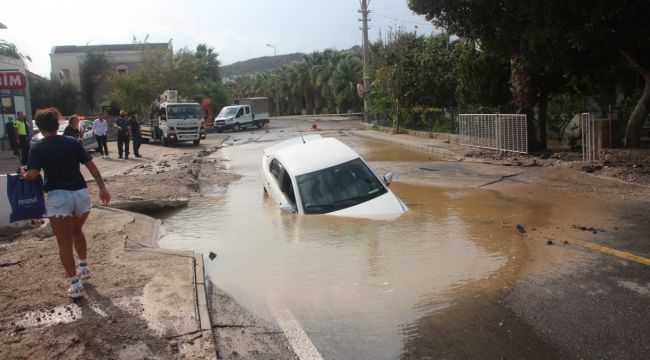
pixel 22 130
pixel 123 135
pixel 136 136
pixel 12 136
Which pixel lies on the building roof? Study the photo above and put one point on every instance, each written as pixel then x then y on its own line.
pixel 67 49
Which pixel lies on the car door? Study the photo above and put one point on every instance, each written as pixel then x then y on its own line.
pixel 88 138
pixel 248 115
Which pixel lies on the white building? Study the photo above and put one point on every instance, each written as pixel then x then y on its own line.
pixel 68 60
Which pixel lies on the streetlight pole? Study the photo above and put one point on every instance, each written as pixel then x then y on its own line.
pixel 366 53
pixel 273 46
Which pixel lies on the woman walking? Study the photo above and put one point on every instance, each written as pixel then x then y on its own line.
pixel 68 200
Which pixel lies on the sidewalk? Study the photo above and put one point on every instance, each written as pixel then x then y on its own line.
pixel 445 150
pixel 141 302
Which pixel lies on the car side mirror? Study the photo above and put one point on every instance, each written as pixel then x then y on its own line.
pixel 388 177
pixel 286 208
pixel 163 117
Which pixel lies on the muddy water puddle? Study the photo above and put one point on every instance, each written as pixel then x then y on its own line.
pixel 359 288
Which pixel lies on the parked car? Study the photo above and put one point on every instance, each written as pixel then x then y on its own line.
pixel 85 126
pixel 315 175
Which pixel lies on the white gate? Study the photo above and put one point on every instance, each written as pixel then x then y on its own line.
pixel 588 130
pixel 502 132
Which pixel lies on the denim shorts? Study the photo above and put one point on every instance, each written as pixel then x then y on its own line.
pixel 65 203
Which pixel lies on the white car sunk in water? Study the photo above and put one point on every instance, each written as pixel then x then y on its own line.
pixel 315 175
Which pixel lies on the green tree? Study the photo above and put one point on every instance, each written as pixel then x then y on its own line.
pixel 46 93
pixel 8 49
pixel 208 63
pixel 483 78
pixel 94 70
pixel 549 42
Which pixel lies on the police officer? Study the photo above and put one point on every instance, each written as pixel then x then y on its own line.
pixel 22 131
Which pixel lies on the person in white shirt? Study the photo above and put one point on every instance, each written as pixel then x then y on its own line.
pixel 100 128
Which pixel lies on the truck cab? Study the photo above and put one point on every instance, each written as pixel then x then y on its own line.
pixel 173 121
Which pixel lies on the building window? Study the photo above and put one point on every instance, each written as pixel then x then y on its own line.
pixel 7 104
pixel 122 69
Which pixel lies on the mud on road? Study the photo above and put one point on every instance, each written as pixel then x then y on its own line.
pixel 139 301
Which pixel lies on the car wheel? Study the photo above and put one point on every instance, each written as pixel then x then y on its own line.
pixel 236 128
pixel 196 142
pixel 259 125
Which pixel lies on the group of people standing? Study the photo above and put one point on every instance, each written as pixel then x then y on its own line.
pixel 19 132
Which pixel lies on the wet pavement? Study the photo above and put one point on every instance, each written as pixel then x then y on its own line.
pixel 359 288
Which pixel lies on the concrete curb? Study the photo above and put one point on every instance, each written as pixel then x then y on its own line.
pixel 204 323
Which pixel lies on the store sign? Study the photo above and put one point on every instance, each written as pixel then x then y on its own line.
pixel 12 80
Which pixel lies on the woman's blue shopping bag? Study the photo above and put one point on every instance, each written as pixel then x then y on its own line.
pixel 26 198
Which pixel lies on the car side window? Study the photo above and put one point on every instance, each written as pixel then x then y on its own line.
pixel 240 112
pixel 287 188
pixel 276 169
pixel 283 179
pixel 248 110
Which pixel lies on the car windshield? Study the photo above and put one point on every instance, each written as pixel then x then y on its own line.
pixel 184 111
pixel 228 111
pixel 338 187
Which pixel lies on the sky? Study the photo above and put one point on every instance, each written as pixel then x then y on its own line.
pixel 237 29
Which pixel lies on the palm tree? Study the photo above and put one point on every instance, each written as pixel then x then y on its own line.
pixel 348 73
pixel 208 63
pixel 9 50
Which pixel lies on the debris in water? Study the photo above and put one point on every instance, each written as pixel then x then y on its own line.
pixel 212 255
pixel 549 242
pixel 521 229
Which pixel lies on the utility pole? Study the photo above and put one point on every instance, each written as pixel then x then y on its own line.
pixel 366 53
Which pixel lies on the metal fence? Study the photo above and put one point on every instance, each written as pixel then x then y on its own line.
pixel 503 132
pixel 587 129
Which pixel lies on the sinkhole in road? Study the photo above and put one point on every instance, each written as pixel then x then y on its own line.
pixel 358 287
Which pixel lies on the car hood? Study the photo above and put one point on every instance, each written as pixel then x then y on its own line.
pixel 385 206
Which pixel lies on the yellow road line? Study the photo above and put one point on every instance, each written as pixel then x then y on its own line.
pixel 618 253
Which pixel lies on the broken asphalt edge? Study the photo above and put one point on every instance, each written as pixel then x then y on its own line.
pixel 200 294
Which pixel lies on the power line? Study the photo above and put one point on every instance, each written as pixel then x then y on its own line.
pixel 402 20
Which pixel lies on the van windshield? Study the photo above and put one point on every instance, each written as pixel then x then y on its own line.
pixel 338 187
pixel 184 111
pixel 228 111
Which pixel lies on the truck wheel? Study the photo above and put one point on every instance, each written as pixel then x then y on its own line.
pixel 196 142
pixel 259 125
pixel 236 128
pixel 164 141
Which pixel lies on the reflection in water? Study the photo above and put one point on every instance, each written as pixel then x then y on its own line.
pixel 353 284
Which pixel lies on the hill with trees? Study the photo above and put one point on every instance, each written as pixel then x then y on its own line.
pixel 258 65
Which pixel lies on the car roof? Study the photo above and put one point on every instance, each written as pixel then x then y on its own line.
pixel 314 154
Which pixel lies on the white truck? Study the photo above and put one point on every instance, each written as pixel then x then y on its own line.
pixel 243 113
pixel 172 120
